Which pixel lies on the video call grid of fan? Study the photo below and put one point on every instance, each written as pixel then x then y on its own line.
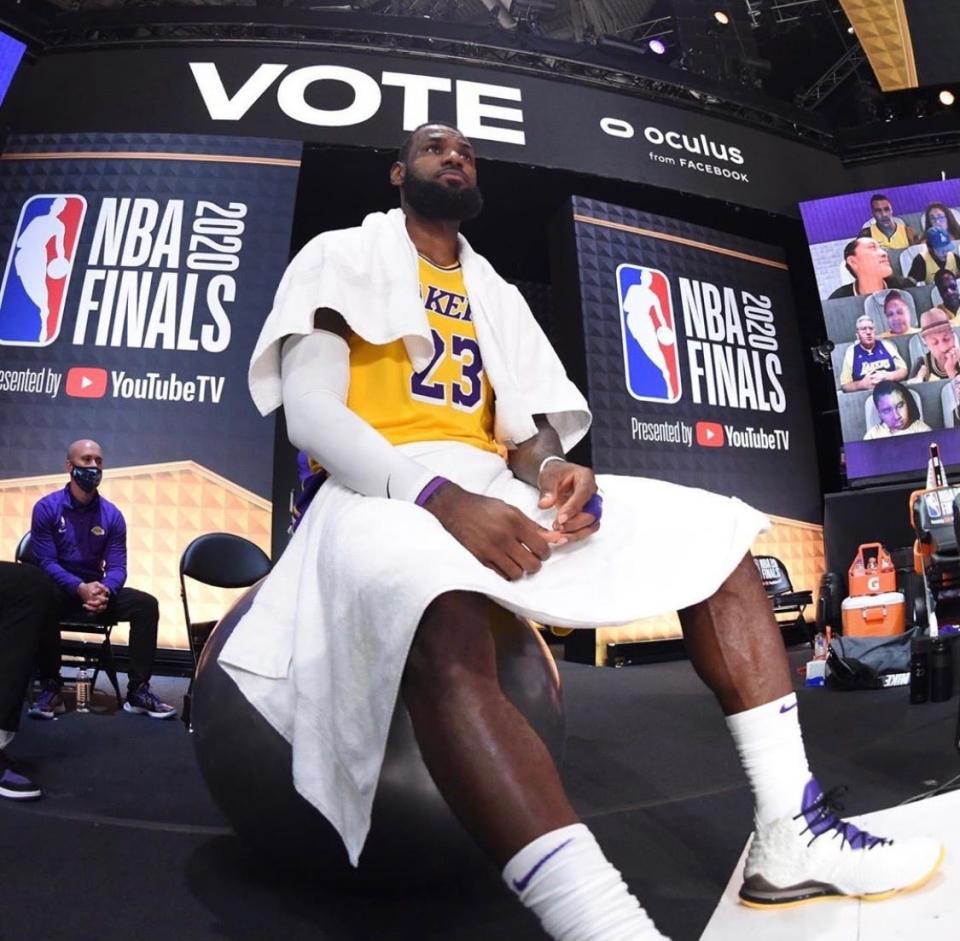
pixel 887 264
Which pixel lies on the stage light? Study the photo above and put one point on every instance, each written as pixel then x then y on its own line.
pixel 721 17
pixel 657 46
pixel 946 97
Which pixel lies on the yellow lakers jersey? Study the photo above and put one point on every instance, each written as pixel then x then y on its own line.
pixel 931 266
pixel 450 400
pixel 897 240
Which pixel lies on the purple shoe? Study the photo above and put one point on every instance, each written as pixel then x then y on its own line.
pixel 13 785
pixel 141 701
pixel 49 704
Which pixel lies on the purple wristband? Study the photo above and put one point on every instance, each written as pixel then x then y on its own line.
pixel 430 489
pixel 594 506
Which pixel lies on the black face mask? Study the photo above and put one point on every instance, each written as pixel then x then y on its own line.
pixel 86 478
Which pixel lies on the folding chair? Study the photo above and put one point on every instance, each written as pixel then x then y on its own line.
pixel 81 653
pixel 779 589
pixel 221 560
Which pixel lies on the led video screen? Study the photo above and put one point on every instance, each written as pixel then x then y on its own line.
pixel 11 52
pixel 887 263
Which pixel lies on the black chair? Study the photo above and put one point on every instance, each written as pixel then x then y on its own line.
pixel 222 560
pixel 779 589
pixel 82 654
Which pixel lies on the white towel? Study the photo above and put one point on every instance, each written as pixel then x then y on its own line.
pixel 321 651
pixel 369 275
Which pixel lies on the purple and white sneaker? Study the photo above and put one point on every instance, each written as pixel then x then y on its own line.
pixel 816 855
pixel 142 701
pixel 49 704
pixel 15 786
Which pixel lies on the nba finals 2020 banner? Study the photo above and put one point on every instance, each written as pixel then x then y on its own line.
pixel 137 272
pixel 693 360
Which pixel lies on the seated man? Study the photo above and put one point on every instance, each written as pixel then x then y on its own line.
pixel 27 606
pixel 419 380
pixel 939 254
pixel 946 283
pixel 870 360
pixel 942 361
pixel 897 411
pixel 80 540
pixel 886 229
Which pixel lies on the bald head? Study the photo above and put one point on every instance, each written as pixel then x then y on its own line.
pixel 84 464
pixel 84 453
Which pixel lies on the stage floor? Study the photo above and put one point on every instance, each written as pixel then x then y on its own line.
pixel 931 912
pixel 127 842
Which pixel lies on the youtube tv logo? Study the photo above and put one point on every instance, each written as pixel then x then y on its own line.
pixel 710 434
pixel 86 382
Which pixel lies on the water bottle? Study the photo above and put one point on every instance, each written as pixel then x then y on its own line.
pixel 83 690
pixel 919 671
pixel 941 671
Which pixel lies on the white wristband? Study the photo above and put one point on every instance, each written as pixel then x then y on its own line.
pixel 546 461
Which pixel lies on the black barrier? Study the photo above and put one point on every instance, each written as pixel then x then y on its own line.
pixel 332 96
pixel 693 359
pixel 138 271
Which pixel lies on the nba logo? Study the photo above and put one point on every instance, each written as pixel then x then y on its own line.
pixel 651 361
pixel 39 264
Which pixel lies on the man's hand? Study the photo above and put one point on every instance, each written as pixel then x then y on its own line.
pixel 568 487
pixel 951 362
pixel 94 596
pixel 498 535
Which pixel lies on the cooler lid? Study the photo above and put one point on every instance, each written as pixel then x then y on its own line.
pixel 888 598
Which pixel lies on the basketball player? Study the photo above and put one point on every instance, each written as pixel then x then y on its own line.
pixel 31 264
pixel 420 381
pixel 648 326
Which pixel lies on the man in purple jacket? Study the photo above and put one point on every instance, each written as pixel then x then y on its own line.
pixel 80 540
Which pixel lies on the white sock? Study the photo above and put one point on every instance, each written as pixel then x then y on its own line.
pixel 770 746
pixel 5 738
pixel 565 879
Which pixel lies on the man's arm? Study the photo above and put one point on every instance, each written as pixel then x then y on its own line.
pixel 918 270
pixel 847 382
pixel 899 370
pixel 562 484
pixel 115 554
pixel 316 371
pixel 44 549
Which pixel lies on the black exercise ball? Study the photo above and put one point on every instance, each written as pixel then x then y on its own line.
pixel 247 767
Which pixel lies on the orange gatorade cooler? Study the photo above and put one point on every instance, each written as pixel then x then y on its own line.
pixel 872 571
pixel 880 615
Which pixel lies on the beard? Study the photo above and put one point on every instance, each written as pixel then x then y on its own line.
pixel 435 200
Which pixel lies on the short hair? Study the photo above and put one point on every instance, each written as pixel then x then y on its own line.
pixel 404 152
pixel 863 317
pixel 941 276
pixel 876 197
pixel 888 387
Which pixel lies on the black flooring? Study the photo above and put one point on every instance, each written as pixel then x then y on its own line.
pixel 127 844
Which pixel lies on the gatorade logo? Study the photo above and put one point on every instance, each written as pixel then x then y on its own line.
pixel 86 382
pixel 710 434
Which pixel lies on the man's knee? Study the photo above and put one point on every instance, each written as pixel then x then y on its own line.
pixel 139 605
pixel 453 641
